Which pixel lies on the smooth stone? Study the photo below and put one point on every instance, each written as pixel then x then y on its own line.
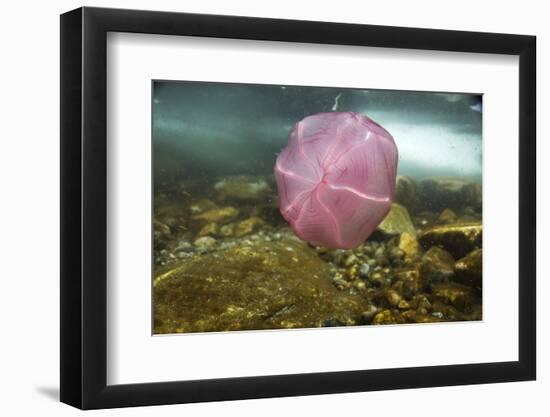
pixel 209 229
pixel 409 245
pixel 459 239
pixel 380 251
pixel 364 270
pixel 202 205
pixel 360 285
pixel 222 214
pixel 369 313
pixel 469 269
pixel 350 260
pixel 227 230
pixel 377 278
pixel 265 286
pixel 183 246
pixel 161 228
pixel 397 221
pixel 447 216
pixel 353 272
pixel 161 235
pixel 397 253
pixel 242 188
pixel 393 297
pixel 340 256
pixel 437 265
pixel 205 242
pixel 248 226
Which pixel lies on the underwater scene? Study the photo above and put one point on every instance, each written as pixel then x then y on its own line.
pixel 286 207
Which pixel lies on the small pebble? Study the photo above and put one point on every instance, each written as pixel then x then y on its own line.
pixel 364 270
pixel 227 230
pixel 421 311
pixel 393 298
pixel 183 246
pixel 367 249
pixel 333 323
pixel 369 313
pixel 397 253
pixel 205 242
pixel 377 278
pixel 424 303
pixel 350 260
pixel 360 285
pixel 340 257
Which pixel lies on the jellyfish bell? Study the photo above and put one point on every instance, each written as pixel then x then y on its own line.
pixel 336 178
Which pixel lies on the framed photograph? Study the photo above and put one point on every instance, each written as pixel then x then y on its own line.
pixel 257 208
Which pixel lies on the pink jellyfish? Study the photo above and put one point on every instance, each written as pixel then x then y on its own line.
pixel 336 178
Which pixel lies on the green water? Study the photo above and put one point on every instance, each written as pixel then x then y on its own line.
pixel 226 129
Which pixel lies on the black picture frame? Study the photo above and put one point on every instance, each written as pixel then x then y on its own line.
pixel 84 197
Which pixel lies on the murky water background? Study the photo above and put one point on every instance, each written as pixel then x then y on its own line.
pixel 224 257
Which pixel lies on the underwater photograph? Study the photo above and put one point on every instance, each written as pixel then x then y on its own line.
pixel 293 207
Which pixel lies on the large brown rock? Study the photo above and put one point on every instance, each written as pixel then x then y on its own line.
pixel 270 286
pixel 437 265
pixel 459 239
pixel 469 270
